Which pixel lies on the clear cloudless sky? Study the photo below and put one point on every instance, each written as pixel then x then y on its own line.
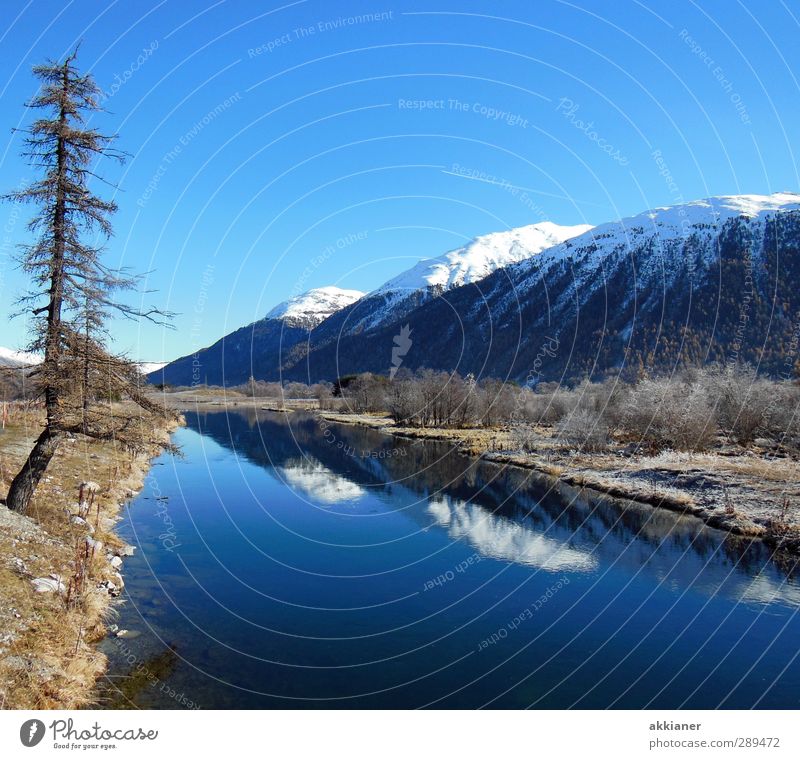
pixel 273 149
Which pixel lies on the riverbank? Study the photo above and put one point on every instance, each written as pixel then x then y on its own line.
pixel 212 398
pixel 751 492
pixel 48 659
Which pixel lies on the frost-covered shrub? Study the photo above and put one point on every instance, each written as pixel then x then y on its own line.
pixel 584 429
pixel 671 413
pixel 744 401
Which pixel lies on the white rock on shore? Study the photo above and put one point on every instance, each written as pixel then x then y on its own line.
pixel 48 585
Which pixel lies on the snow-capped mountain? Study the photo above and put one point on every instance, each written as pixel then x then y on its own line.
pixel 666 243
pixel 668 228
pixel 260 349
pixel 13 384
pixel 9 357
pixel 462 266
pixel 480 257
pixel 715 279
pixel 333 312
pixel 147 367
pixel 313 307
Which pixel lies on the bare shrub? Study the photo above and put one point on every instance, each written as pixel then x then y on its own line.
pixel 670 413
pixel 366 392
pixel 531 406
pixel 744 401
pixel 295 390
pixel 405 401
pixel 523 437
pixel 584 429
pixel 548 406
pixel 323 392
pixel 607 398
pixel 496 402
pixel 783 420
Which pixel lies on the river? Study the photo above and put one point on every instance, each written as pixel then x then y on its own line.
pixel 285 562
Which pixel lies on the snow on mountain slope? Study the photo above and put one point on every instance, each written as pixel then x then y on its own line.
pixel 311 308
pixel 10 357
pixel 721 208
pixel 670 233
pixel 584 280
pixel 662 287
pixel 481 257
pixel 698 219
pixel 258 349
pixel 145 367
pixel 462 266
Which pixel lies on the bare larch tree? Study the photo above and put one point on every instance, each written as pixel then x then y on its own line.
pixel 72 290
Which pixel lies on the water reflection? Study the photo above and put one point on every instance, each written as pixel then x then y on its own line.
pixel 764 589
pixel 316 481
pixel 499 537
pixel 504 512
pixel 305 576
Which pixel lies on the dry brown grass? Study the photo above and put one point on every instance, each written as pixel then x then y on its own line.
pixel 47 656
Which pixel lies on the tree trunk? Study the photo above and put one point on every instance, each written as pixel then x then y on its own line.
pixel 52 349
pixel 24 484
pixel 22 488
pixel 85 383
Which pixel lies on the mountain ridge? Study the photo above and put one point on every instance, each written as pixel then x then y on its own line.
pixel 610 295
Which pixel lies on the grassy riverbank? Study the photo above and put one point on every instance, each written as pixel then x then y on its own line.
pixel 753 491
pixel 48 659
pixel 212 398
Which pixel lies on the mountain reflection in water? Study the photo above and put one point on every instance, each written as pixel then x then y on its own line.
pixel 304 576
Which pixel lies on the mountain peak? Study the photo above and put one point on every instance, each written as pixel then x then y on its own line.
pixel 604 289
pixel 481 256
pixel 9 357
pixel 720 208
pixel 312 307
pixel 669 226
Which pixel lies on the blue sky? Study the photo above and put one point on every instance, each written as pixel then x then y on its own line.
pixel 264 134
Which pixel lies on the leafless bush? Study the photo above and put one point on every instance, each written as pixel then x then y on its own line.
pixel 323 392
pixel 584 429
pixel 744 401
pixel 548 405
pixel 260 389
pixel 297 390
pixel 683 412
pixel 495 402
pixel 366 392
pixel 783 417
pixel 523 437
pixel 607 399
pixel 670 413
pixel 405 401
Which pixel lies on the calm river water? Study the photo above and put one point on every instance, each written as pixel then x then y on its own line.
pixel 284 563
